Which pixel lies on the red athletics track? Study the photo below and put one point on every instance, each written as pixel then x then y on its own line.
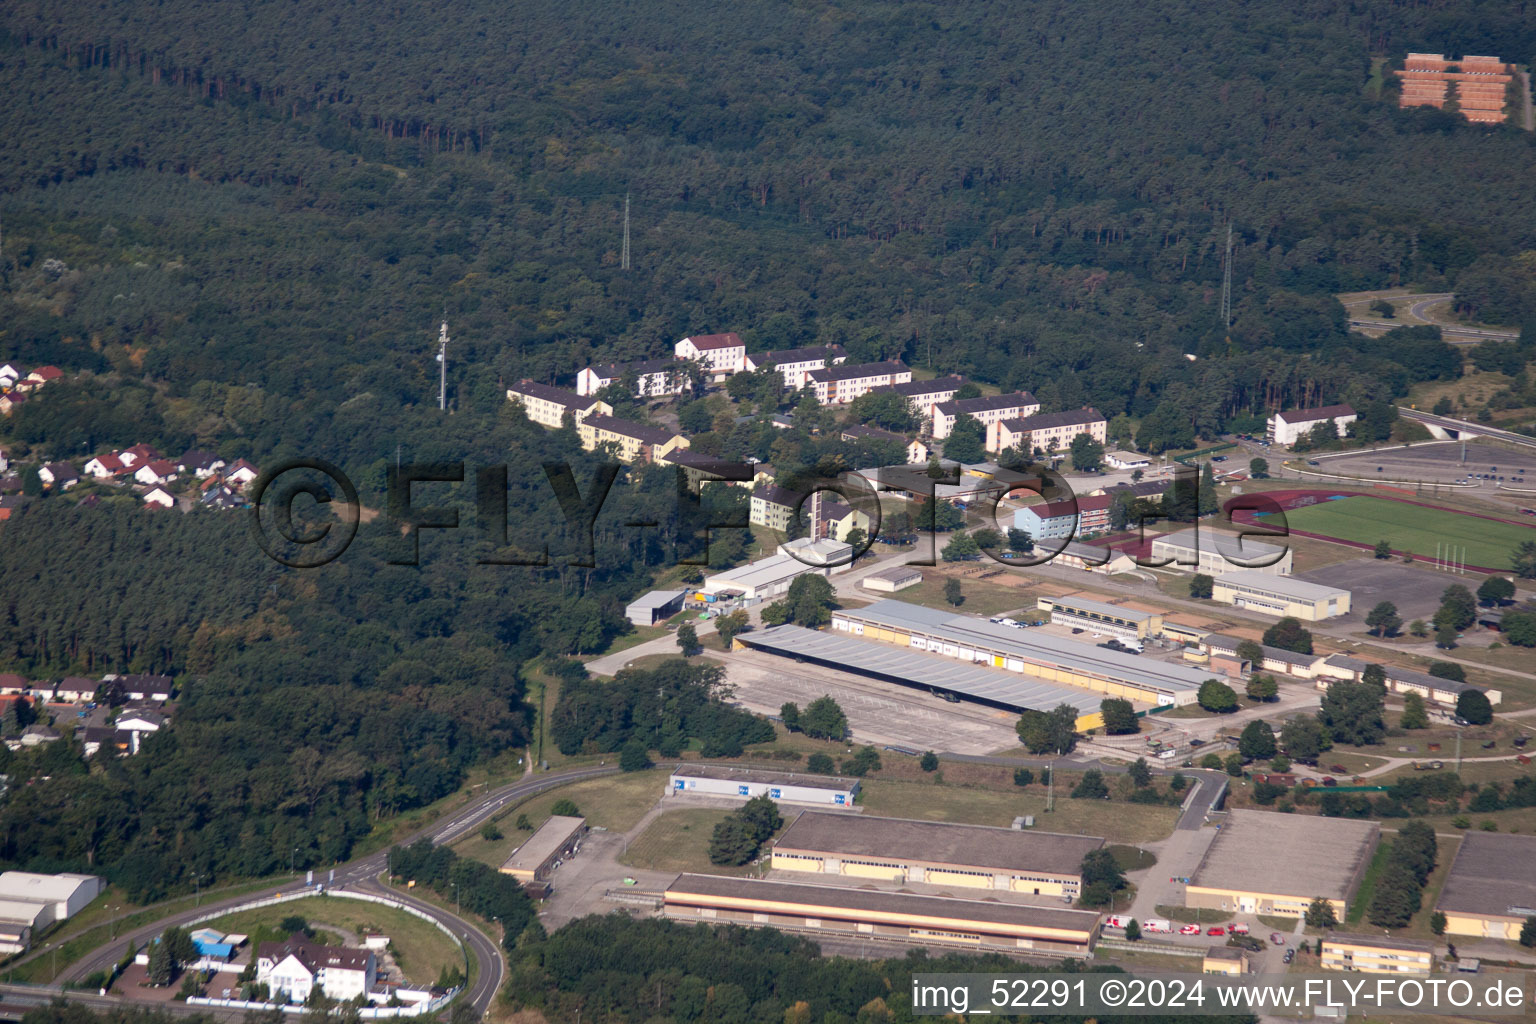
pixel 1294 499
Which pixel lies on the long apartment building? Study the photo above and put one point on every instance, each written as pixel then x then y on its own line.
pixel 720 354
pixel 1049 432
pixel 923 395
pixel 633 442
pixel 795 364
pixel 1053 659
pixel 839 385
pixel 986 410
pixel 906 851
pixel 547 406
pixel 654 378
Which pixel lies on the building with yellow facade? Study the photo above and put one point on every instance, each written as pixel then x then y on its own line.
pixel 908 852
pixel 1102 617
pixel 832 911
pixel 1376 954
pixel 1266 863
pixel 1269 594
pixel 1224 960
pixel 1052 659
pixel 632 442
pixel 547 406
pixel 1491 888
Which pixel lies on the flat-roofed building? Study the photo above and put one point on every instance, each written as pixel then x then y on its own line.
pixel 771 576
pixel 1216 553
pixel 1051 659
pixel 632 442
pixel 1375 954
pixel 1491 887
pixel 1222 647
pixel 547 406
pixel 61 896
pixel 1443 692
pixel 1048 432
pixel 720 354
pixel 1253 590
pixel 1118 459
pixel 1267 863
pixel 1102 616
pixel 1224 960
pixel 1092 558
pixel 923 395
pixel 839 385
pixel 556 838
pixel 1286 428
pixel 986 410
pixel 907 851
pixel 746 783
pixel 888 581
pixel 655 606
pixel 794 363
pixel 836 911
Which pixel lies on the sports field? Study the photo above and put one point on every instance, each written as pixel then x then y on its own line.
pixel 1486 542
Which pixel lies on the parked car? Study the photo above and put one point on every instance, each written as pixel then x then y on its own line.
pixel 1337 768
pixel 1490 744
pixel 1290 955
pixel 1518 741
pixel 1277 938
pixel 1329 780
pixel 1077 629
pixel 1218 930
pixel 1190 929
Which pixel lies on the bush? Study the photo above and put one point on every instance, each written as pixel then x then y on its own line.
pixel 1023 776
pixel 929 762
pixel 565 807
pixel 820 764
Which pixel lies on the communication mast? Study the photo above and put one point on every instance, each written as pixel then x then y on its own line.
pixel 442 360
pixel 624 258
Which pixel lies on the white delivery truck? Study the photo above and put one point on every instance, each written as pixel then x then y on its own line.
pixel 1157 926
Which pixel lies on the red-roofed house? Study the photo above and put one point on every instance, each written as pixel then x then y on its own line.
pixel 44 374
pixel 137 454
pixel 104 467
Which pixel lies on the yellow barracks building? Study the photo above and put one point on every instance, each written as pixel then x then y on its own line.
pixel 934 853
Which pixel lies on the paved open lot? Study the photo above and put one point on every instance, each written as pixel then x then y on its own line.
pixel 1441 463
pixel 879 713
pixel 1414 589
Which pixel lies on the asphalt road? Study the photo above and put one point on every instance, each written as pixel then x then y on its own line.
pixel 360 874
pixel 1479 429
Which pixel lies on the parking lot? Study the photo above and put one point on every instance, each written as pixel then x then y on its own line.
pixel 878 712
pixel 1414 589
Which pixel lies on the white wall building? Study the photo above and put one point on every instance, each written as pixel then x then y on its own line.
pixel 839 385
pixel 654 378
pixel 291 969
pixel 770 577
pixel 795 363
pixel 745 783
pixel 60 896
pixel 987 410
pixel 1286 427
pixel 1214 553
pixel 721 354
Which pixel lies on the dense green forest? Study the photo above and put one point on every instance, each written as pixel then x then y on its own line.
pixel 237 228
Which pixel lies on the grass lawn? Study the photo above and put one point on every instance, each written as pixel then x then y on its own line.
pixel 679 841
pixel 1131 858
pixel 1368 883
pixel 638 636
pixel 1194 915
pixel 419 948
pixel 1412 528
pixel 1145 961
pixel 982 597
pixel 614 803
pixel 1116 821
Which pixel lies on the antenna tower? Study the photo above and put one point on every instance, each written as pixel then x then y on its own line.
pixel 1226 285
pixel 442 360
pixel 624 259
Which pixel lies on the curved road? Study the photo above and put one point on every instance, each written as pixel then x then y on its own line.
pixel 362 874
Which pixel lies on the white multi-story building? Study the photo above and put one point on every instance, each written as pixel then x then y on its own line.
pixel 653 377
pixel 291 969
pixel 795 363
pixel 1049 432
pixel 1285 428
pixel 923 395
pixel 721 354
pixel 986 410
pixel 839 385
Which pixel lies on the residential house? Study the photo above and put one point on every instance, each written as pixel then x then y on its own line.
pixel 45 375
pixel 9 503
pixel 76 689
pixel 915 450
pixel 11 683
pixel 10 373
pixel 291 969
pixel 839 385
pixel 241 474
pixel 987 410
pixel 59 476
pixel 720 354
pixel 838 519
pixel 5 460
pixel 1047 432
pixel 94 737
pixel 159 497
pixel 1286 428
pixel 138 454
pixel 104 467
pixel 138 724
pixel 635 442
pixel 547 406
pixel 654 378
pixel 698 468
pixel 794 364
pixel 773 507
pixel 11 401
pixel 36 735
pixel 200 464
pixel 923 395
pixel 155 471
pixel 220 497
pixel 138 687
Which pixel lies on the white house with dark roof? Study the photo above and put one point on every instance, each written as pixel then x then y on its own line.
pixel 240 474
pixel 987 410
pixel 200 464
pixel 10 373
pixel 1049 432
pixel 720 354
pixel 923 395
pixel 794 364
pixel 654 378
pixel 291 969
pixel 155 471
pixel 159 497
pixel 59 476
pixel 1285 428
pixel 839 385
